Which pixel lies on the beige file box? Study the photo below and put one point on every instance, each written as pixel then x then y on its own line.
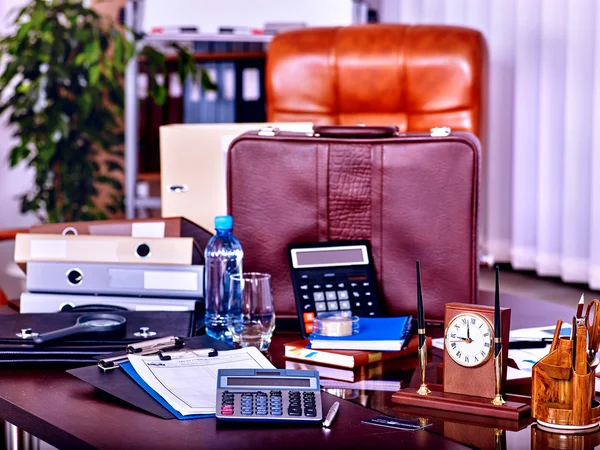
pixel 193 162
pixel 140 228
pixel 107 249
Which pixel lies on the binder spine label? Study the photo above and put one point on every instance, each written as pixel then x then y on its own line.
pixel 43 248
pixel 186 281
pixel 148 229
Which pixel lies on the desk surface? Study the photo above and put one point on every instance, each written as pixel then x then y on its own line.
pixel 69 413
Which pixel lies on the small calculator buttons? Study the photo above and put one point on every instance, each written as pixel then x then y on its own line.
pixel 256 404
pixel 253 403
pixel 345 305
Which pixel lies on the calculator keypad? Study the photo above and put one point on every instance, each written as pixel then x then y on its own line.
pixel 303 405
pixel 348 294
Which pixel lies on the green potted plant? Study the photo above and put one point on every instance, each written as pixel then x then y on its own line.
pixel 63 88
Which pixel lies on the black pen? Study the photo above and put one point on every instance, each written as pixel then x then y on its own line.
pixel 423 389
pixel 331 414
pixel 420 312
pixel 497 331
pixel 498 400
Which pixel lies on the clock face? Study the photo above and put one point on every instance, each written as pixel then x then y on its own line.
pixel 468 340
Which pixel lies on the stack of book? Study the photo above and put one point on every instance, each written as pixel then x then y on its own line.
pixel 383 347
pixel 140 265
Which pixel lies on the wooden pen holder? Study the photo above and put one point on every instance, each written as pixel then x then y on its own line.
pixel 562 396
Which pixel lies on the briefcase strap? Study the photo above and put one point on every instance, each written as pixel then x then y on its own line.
pixel 350 205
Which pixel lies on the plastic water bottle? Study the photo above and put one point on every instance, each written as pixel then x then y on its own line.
pixel 223 258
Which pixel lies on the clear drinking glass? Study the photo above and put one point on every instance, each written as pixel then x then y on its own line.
pixel 251 314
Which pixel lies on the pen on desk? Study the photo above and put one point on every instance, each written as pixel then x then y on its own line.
pixel 331 414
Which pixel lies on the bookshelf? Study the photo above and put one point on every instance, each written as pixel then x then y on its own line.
pixel 132 175
pixel 211 15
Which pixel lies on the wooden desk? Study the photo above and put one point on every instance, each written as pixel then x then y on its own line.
pixel 68 413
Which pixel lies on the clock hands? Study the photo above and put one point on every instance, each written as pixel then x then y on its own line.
pixel 463 339
pixel 467 339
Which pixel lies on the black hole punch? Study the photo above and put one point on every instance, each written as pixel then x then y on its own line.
pixel 74 277
pixel 142 250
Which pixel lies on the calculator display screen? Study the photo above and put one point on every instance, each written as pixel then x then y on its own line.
pixel 269 382
pixel 323 257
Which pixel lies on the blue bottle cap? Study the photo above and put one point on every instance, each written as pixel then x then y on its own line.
pixel 223 223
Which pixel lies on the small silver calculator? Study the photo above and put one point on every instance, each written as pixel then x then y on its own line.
pixel 269 395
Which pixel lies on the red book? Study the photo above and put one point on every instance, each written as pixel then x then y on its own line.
pixel 346 358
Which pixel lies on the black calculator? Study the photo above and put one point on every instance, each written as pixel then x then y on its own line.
pixel 336 276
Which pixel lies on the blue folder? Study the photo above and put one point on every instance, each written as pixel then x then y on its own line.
pixel 373 331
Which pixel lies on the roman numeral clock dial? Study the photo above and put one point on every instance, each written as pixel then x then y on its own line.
pixel 469 340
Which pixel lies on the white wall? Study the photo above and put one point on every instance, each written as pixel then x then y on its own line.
pixel 13 182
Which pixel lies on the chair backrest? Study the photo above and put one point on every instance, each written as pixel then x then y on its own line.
pixel 416 77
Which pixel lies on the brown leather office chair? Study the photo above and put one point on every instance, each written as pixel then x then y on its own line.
pixel 416 77
pixel 7 235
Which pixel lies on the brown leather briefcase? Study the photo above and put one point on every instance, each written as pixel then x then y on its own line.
pixel 414 196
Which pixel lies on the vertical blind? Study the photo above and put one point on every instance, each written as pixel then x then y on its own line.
pixel 541 193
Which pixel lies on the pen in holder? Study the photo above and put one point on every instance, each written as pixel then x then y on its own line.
pixel 423 389
pixel 563 383
pixel 497 400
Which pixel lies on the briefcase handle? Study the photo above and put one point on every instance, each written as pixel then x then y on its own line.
pixel 355 131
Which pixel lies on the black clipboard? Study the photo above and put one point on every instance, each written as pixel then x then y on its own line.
pixel 118 384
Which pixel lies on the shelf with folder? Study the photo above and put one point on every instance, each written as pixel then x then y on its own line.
pixel 207 37
pixel 222 56
pixel 132 111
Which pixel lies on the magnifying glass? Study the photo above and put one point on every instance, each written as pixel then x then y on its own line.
pixel 99 323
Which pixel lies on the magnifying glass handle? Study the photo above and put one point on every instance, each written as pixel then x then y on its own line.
pixel 57 334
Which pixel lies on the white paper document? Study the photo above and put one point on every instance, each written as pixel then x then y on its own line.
pixel 189 382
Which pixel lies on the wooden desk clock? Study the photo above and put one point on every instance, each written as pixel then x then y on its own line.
pixel 473 380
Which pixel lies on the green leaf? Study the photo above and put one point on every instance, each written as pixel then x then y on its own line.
pixel 80 59
pixel 114 166
pixel 207 83
pixel 94 74
pixel 118 52
pixel 85 102
pixel 92 51
pixel 23 31
pixel 18 154
pixel 104 179
pixel 159 94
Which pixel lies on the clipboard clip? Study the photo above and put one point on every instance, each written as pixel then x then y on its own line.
pixel 141 348
pixel 186 352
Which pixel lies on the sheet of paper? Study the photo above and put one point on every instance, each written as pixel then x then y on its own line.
pixel 189 383
pixel 539 333
pixel 527 357
pixel 516 374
